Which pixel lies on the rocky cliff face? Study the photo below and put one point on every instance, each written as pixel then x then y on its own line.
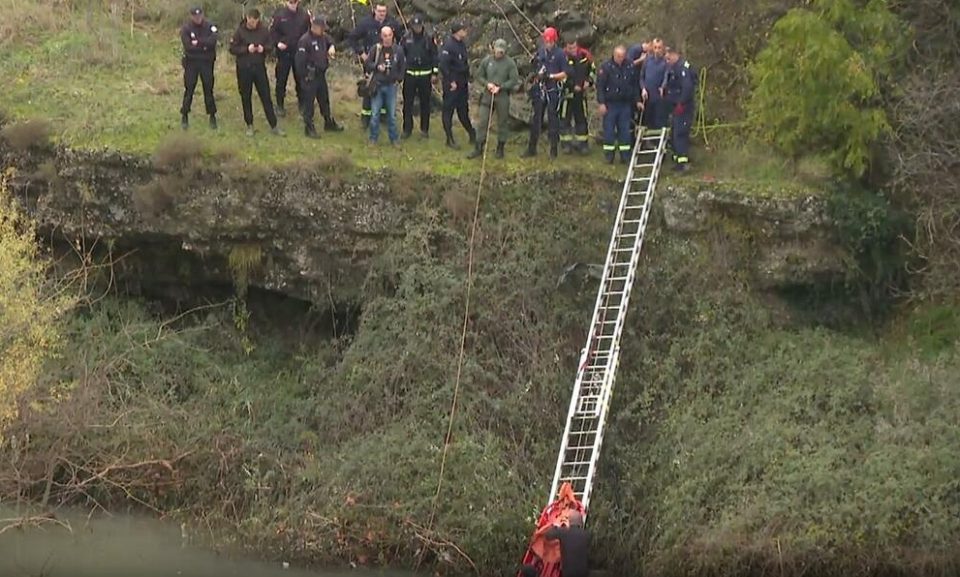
pixel 311 233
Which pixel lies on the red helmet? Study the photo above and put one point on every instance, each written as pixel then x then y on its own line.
pixel 550 35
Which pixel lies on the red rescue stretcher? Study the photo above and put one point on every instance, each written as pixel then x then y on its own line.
pixel 542 554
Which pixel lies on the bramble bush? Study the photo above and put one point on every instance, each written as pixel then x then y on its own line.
pixel 819 84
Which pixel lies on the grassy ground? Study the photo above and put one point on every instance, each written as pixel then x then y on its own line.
pixel 106 83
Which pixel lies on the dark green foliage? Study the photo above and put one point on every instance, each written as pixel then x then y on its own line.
pixel 817 85
pixel 736 442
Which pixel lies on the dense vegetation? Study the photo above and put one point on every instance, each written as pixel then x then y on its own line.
pixel 754 432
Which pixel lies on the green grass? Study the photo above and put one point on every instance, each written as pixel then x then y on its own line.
pixel 106 84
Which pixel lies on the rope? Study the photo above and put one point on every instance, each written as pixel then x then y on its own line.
pixel 527 18
pixel 466 318
pixel 700 124
pixel 516 34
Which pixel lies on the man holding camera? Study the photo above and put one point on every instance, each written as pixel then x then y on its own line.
pixel 386 65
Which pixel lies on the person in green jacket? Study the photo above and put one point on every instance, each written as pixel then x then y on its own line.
pixel 499 77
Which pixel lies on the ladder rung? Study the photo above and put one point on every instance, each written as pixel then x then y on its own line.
pixel 577 463
pixel 649 165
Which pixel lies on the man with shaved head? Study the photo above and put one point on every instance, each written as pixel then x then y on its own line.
pixel 387 65
pixel 618 93
pixel 574 539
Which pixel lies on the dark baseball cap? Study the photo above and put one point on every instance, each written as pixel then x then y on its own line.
pixel 417 20
pixel 457 27
pixel 319 20
pixel 196 10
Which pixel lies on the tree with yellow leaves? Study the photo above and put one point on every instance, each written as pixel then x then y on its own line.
pixel 30 304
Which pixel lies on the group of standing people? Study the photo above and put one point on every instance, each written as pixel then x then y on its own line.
pixel 646 84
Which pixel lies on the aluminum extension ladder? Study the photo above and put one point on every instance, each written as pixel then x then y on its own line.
pixel 589 405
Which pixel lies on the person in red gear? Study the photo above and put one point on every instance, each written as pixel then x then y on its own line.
pixel 573 109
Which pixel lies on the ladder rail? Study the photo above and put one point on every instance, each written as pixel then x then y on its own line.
pixel 607 391
pixel 597 310
pixel 611 359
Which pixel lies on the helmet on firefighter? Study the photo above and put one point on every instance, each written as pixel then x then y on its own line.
pixel 550 35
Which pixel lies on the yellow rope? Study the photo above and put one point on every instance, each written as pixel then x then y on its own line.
pixel 466 316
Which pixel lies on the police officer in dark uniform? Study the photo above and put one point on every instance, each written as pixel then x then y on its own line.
pixel 199 39
pixel 618 94
pixel 573 110
pixel 681 84
pixel 550 67
pixel 421 54
pixel 314 51
pixel 455 74
pixel 289 24
pixel 364 36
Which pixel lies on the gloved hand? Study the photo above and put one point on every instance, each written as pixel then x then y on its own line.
pixel 678 109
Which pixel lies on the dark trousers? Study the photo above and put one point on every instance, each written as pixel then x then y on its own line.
pixel 316 90
pixel 365 111
pixel 616 129
pixel 456 100
pixel 680 134
pixel 545 101
pixel 284 67
pixel 201 70
pixel 415 87
pixel 248 78
pixel 573 121
pixel 655 113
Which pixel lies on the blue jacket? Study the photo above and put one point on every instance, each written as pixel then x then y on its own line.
pixel 681 83
pixel 617 83
pixel 654 75
pixel 553 61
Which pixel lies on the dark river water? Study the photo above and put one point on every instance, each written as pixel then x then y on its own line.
pixel 126 546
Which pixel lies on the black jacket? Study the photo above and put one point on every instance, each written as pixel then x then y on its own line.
pixel 312 53
pixel 288 27
pixel 574 550
pixel 454 64
pixel 243 38
pixel 366 34
pixel 205 50
pixel 420 51
pixel 394 60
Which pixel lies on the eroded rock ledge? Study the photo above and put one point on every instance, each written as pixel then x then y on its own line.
pixel 313 233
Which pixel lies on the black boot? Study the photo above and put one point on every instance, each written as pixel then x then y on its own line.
pixel 311 132
pixel 473 137
pixel 330 125
pixel 365 121
pixel 500 147
pixel 184 121
pixel 281 111
pixel 477 151
pixel 213 121
pixel 553 150
pixel 530 152
pixel 609 158
pixel 451 143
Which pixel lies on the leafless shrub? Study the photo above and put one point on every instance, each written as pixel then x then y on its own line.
pixel 27 135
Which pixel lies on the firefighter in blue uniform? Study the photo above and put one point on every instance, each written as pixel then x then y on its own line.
pixel 618 94
pixel 364 36
pixel 680 88
pixel 573 110
pixel 550 68
pixel 652 77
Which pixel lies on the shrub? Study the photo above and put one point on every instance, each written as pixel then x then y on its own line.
pixel 29 307
pixel 179 152
pixel 27 135
pixel 817 85
pixel 159 195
